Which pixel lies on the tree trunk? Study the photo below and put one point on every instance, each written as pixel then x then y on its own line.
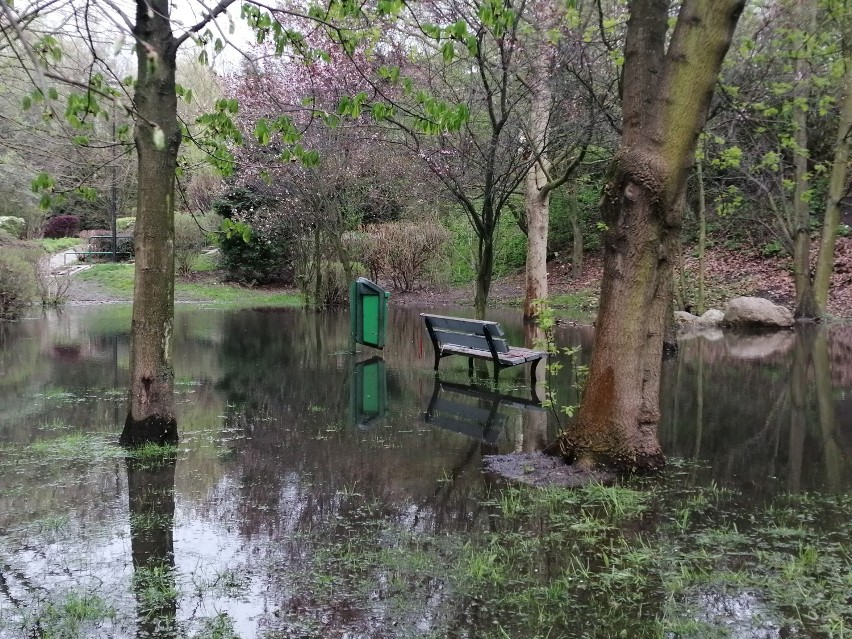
pixel 484 273
pixel 805 300
pixel 152 415
pixel 701 305
pixel 576 238
pixel 837 185
pixel 537 190
pixel 665 102
pixel 538 213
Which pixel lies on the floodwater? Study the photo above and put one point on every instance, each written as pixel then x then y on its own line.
pixel 285 436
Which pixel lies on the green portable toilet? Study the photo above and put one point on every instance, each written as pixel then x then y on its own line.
pixel 368 392
pixel 368 312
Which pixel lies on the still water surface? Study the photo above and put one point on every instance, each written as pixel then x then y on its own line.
pixel 284 434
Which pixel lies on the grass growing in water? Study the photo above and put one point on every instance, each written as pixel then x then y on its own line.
pixel 652 558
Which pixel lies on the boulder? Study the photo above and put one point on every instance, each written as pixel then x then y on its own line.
pixel 688 322
pixel 712 317
pixel 756 312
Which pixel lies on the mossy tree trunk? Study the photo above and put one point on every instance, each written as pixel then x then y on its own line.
pixel 805 300
pixel 151 415
pixel 837 184
pixel 666 97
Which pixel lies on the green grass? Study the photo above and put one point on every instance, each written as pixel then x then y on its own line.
pixel 117 279
pixel 54 245
pixel 205 263
pixel 114 278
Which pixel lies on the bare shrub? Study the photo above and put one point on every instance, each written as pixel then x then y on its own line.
pixel 52 288
pixel 401 251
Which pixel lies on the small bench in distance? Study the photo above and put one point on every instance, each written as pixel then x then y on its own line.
pixel 480 339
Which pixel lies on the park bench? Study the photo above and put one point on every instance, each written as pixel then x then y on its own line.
pixel 477 339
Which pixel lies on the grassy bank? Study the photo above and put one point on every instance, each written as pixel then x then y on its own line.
pixel 117 280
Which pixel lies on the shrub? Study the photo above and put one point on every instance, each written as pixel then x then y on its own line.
pixel 17 281
pixel 61 226
pixel 401 251
pixel 190 238
pixel 14 226
pixel 334 292
pixel 267 257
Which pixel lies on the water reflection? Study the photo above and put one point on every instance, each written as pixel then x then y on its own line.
pixel 272 458
pixel 151 501
pixel 765 411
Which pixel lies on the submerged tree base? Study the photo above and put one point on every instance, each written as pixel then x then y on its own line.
pixel 613 458
pixel 154 429
pixel 538 469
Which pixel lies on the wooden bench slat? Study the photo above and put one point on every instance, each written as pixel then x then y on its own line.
pixel 477 342
pixel 463 325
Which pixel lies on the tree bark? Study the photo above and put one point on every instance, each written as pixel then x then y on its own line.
pixel 805 300
pixel 666 97
pixel 151 416
pixel 701 305
pixel 837 185
pixel 484 273
pixel 576 238
pixel 537 189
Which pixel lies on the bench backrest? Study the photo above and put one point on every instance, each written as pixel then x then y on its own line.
pixel 466 332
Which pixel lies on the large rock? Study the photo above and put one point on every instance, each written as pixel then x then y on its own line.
pixel 756 312
pixel 687 322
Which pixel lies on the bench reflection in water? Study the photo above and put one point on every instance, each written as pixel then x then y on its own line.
pixel 473 411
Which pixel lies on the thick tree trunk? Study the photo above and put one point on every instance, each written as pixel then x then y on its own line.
pixel 151 416
pixel 836 187
pixel 666 98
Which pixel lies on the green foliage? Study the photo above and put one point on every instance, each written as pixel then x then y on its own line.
pixel 561 234
pixel 255 246
pixel 125 223
pixel 12 225
pixel 510 246
pixel 18 282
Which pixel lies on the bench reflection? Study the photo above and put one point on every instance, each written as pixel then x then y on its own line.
pixel 473 411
